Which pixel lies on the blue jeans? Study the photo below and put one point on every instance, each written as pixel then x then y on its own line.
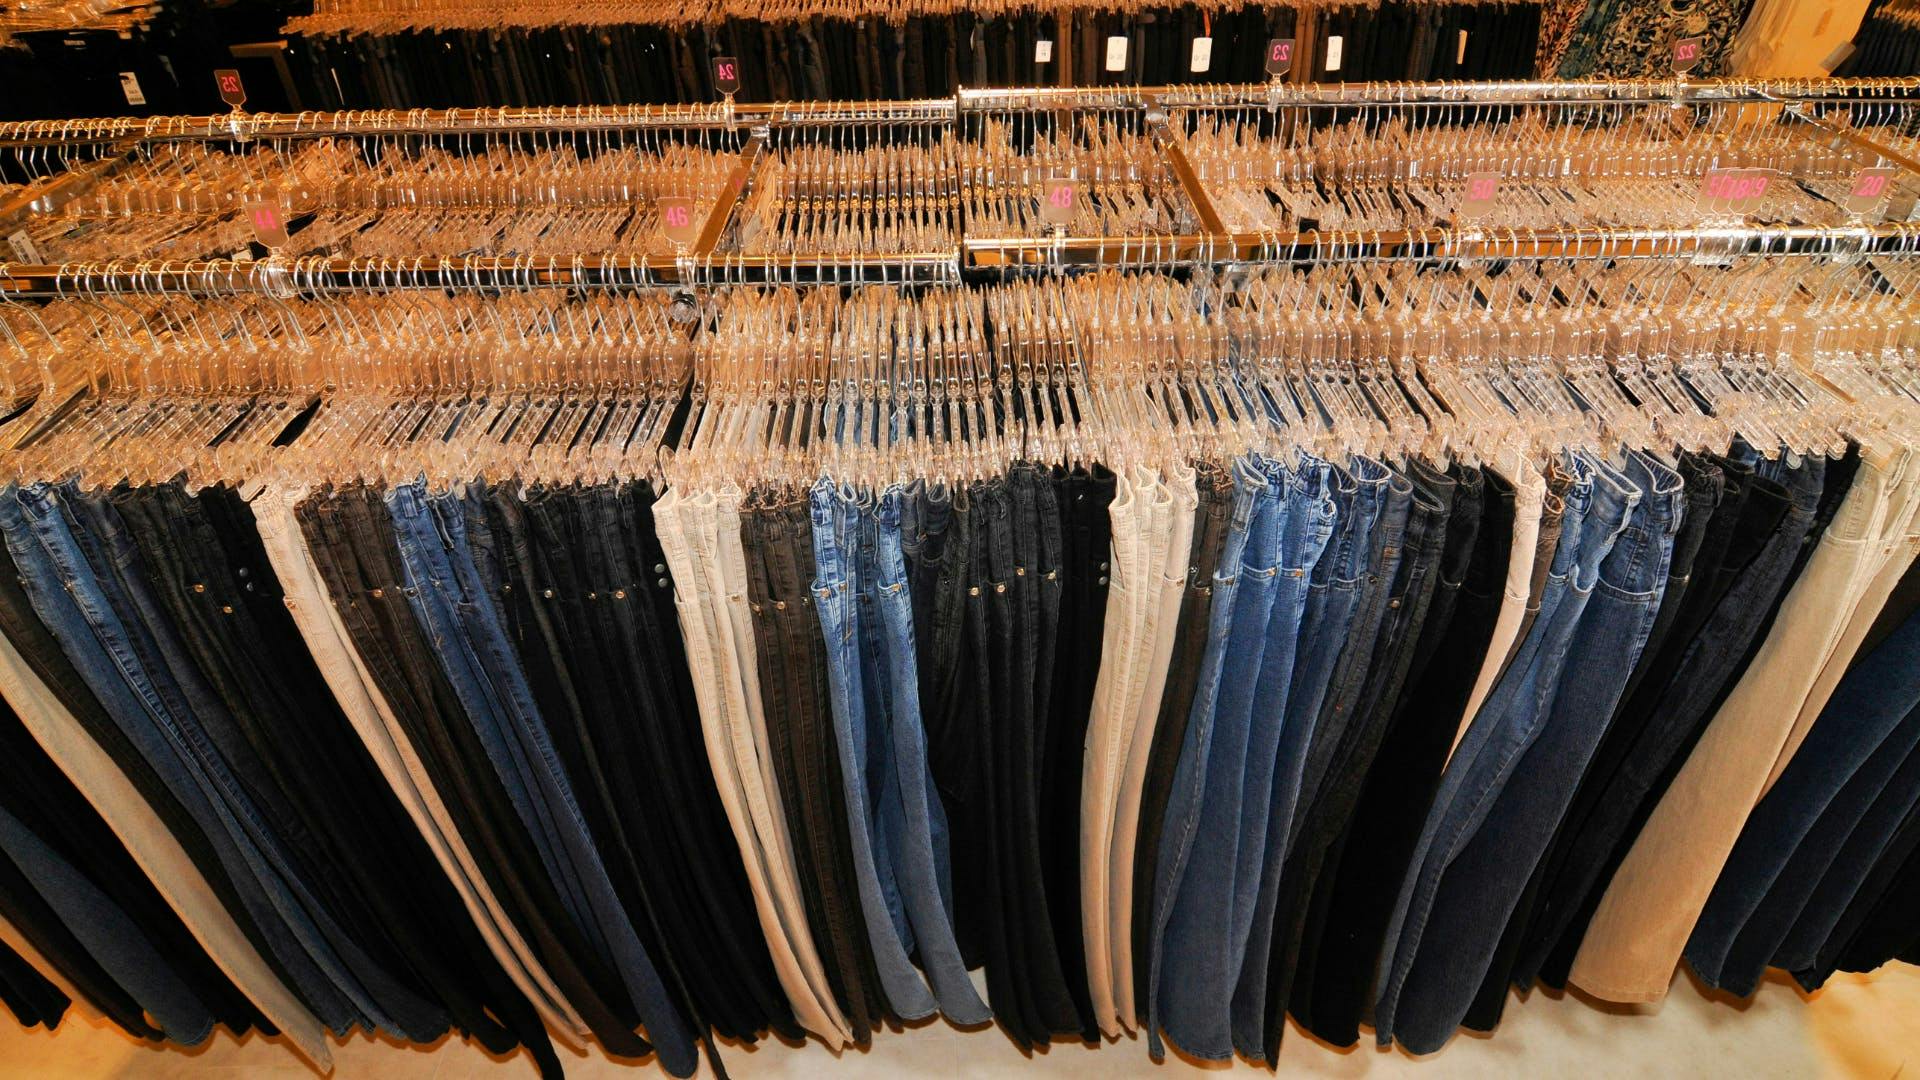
pixel 1630 524
pixel 1507 724
pixel 445 591
pixel 1188 791
pixel 131 681
pixel 1863 737
pixel 874 806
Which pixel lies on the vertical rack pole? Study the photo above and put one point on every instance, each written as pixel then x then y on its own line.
pixel 1063 45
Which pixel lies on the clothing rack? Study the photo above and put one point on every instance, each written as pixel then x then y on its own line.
pixel 1833 110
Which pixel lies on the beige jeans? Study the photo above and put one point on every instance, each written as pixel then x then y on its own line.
pixel 341 664
pixel 1650 906
pixel 162 858
pixel 1529 500
pixel 688 527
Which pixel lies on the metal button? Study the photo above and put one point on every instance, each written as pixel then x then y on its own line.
pixel 659 568
pixel 1019 571
pixel 1000 587
pixel 243 571
pixel 1102 581
pixel 1051 574
pixel 1103 566
pixel 662 583
pixel 225 609
pixel 593 596
pixel 779 605
pixel 199 588
pixel 619 594
pixel 377 593
pixel 1393 603
pixel 548 593
pixel 974 591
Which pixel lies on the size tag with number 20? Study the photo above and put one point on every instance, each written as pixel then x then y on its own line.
pixel 1869 191
pixel 726 75
pixel 1057 197
pixel 676 220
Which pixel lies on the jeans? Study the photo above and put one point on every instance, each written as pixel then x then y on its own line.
pixel 1289 523
pixel 875 809
pixel 1288 952
pixel 1597 507
pixel 1368 860
pixel 1790 840
pixel 1652 734
pixel 1192 637
pixel 1186 800
pixel 445 589
pixel 73 602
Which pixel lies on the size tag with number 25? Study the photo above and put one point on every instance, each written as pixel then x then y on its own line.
pixel 232 91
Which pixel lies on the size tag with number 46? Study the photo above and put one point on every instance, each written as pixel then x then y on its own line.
pixel 676 220
pixel 1057 198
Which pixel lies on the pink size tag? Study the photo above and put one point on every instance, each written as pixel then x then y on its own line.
pixel 676 220
pixel 1477 200
pixel 1734 191
pixel 1057 198
pixel 269 221
pixel 1869 190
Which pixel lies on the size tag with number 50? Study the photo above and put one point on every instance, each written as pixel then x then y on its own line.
pixel 1737 192
pixel 1058 196
pixel 1483 189
pixel 676 220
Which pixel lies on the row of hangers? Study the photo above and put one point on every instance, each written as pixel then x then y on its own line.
pixel 878 385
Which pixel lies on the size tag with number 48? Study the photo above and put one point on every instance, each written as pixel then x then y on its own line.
pixel 676 220
pixel 1057 198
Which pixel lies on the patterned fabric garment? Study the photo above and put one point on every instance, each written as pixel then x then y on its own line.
pixel 1626 39
pixel 1559 19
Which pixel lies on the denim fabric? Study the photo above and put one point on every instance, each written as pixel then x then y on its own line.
pixel 862 725
pixel 444 587
pixel 1394 801
pixel 73 602
pixel 1875 922
pixel 354 546
pixel 1598 503
pixel 1660 726
pixel 1192 638
pixel 778 538
pixel 1187 793
pixel 1501 870
pixel 1789 842
pixel 109 935
pixel 1409 569
pixel 1214 912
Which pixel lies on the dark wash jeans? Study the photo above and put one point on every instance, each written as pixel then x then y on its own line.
pixel 76 605
pixel 350 536
pixel 444 586
pixel 1458 900
pixel 1790 841
pixel 1876 923
pixel 1660 727
pixel 1291 952
pixel 1402 783
pixel 1212 519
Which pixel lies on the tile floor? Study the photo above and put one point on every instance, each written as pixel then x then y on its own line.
pixel 1858 1026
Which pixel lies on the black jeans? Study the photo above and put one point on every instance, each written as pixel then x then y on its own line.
pixel 1082 499
pixel 1212 515
pixel 1393 801
pixel 350 536
pixel 777 536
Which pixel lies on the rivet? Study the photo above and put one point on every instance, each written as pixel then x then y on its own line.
pixel 756 608
pixel 1298 573
pixel 1102 581
pixel 1393 603
pixel 1019 571
pixel 593 596
pixel 377 593
pixel 1000 587
pixel 1103 566
pixel 659 568
pixel 662 583
pixel 548 593
pixel 225 609
pixel 779 605
pixel 243 571
pixel 619 594
pixel 1051 574
pixel 199 588
pixel 974 591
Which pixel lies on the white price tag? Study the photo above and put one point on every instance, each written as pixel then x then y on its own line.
pixel 1202 55
pixel 130 86
pixel 1043 51
pixel 1336 47
pixel 23 247
pixel 1460 49
pixel 1117 53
